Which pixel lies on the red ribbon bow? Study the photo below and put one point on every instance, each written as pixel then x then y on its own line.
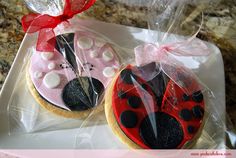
pixel 46 23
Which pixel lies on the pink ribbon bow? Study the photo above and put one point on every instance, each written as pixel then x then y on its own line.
pixel 148 53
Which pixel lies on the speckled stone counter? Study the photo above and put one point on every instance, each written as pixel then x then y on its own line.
pixel 219 27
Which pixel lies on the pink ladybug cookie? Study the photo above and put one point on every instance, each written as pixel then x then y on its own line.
pixel 71 80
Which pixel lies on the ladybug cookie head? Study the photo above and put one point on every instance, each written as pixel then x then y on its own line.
pixel 71 80
pixel 149 110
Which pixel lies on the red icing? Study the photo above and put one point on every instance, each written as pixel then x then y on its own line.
pixel 119 105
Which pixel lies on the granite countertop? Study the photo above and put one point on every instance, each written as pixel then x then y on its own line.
pixel 219 27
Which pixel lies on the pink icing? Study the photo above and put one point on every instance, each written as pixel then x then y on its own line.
pixel 98 62
pixel 54 95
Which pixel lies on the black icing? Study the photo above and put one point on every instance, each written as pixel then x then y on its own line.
pixel 185 114
pixel 198 111
pixel 191 129
pixel 161 131
pixel 134 101
pixel 186 97
pixel 144 86
pixel 156 79
pixel 128 119
pixel 122 94
pixel 158 86
pixel 197 96
pixel 82 93
pixel 127 76
pixel 65 45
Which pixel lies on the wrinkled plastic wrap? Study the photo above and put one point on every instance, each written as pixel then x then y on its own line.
pixel 156 101
pixel 59 89
pixel 147 98
pixel 50 7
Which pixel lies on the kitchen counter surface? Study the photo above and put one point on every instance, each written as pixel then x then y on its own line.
pixel 219 27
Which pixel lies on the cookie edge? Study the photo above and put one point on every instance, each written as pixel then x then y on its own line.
pixel 58 111
pixel 113 124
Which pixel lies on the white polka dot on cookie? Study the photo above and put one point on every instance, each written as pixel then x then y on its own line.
pixel 93 54
pixel 107 55
pixel 38 75
pixel 51 80
pixel 46 55
pixel 108 72
pixel 85 42
pixel 51 66
pixel 99 43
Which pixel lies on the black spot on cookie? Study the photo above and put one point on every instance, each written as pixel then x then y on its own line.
pixel 122 94
pixel 191 129
pixel 128 119
pixel 185 114
pixel 134 101
pixel 198 111
pixel 161 131
pixel 144 86
pixel 82 93
pixel 127 76
pixel 197 96
pixel 185 97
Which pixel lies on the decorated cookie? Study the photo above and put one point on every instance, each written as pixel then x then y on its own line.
pixel 147 110
pixel 71 80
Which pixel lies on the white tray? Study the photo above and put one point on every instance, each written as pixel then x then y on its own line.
pixel 211 72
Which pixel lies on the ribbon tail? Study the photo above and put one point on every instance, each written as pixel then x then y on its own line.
pixel 195 47
pixel 26 22
pixel 46 40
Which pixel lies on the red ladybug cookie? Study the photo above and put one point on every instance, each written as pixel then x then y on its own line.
pixel 146 109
